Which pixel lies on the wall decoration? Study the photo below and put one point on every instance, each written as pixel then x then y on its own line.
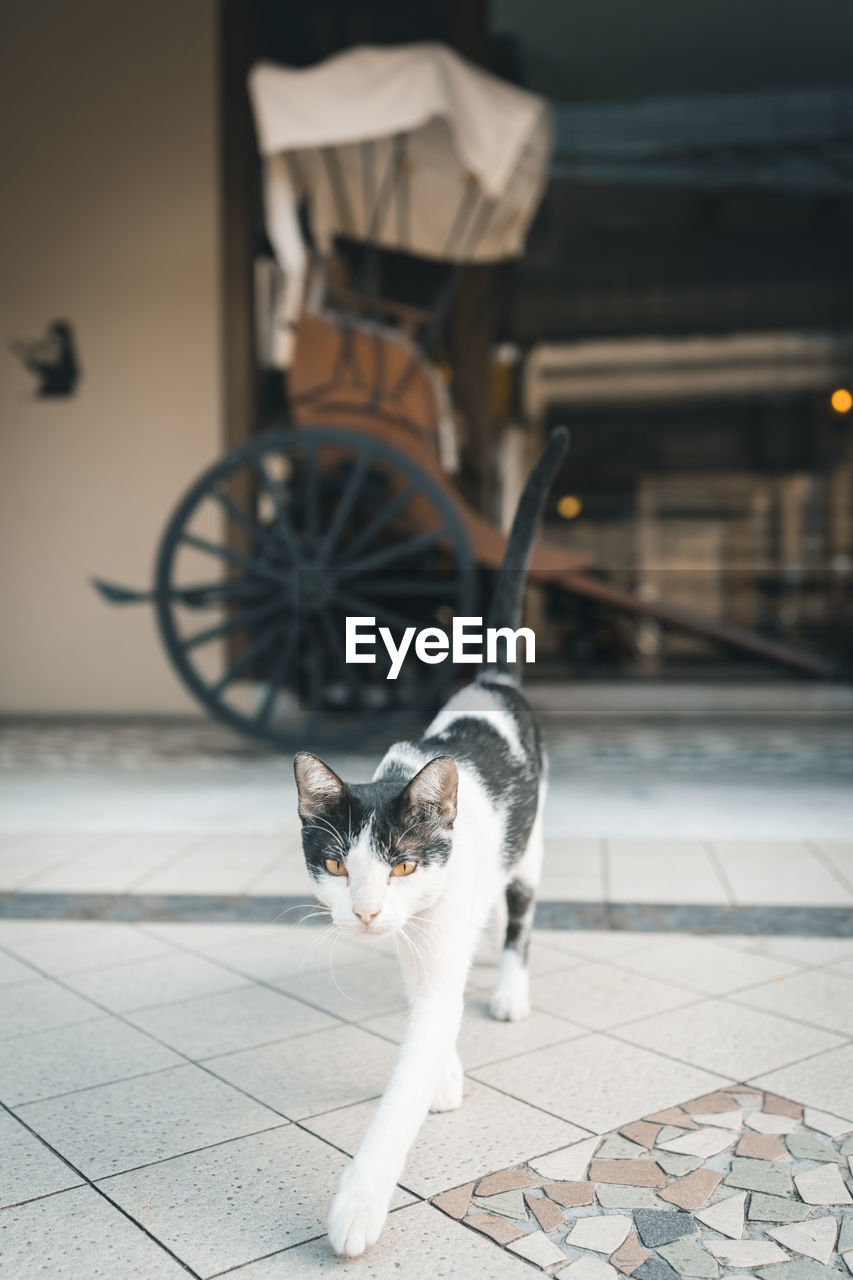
pixel 52 360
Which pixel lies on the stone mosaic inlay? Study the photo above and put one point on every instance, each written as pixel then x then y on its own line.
pixel 736 1183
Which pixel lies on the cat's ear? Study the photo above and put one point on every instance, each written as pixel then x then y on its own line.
pixel 435 788
pixel 318 785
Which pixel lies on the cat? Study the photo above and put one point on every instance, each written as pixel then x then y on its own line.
pixel 448 828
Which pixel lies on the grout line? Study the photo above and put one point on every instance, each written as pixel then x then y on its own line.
pixel 717 863
pixel 89 1183
pixel 604 854
pixel 825 860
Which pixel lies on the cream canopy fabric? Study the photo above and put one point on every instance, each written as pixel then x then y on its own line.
pixel 415 134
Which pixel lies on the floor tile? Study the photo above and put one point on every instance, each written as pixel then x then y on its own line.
pixel 229 1021
pixel 799 950
pixel 145 983
pixel 482 1039
pixel 595 944
pixel 48 1063
pixel 598 1082
pixel 456 1146
pixel 71 946
pixel 311 1073
pixel 230 1204
pixel 544 958
pixel 817 996
pixel 13 970
pixel 350 991
pixel 38 1005
pixel 663 871
pixel 705 965
pixel 28 1169
pixel 111 863
pixel 782 873
pixel 134 1122
pixel 727 1038
pixel 274 952
pixel 822 1081
pixel 417 1241
pixel 226 863
pixel 78 1235
pixel 600 996
pixel 204 937
pixel 30 854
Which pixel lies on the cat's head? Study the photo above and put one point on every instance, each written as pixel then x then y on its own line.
pixel 376 852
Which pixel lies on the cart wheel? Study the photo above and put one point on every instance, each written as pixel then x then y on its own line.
pixel 267 554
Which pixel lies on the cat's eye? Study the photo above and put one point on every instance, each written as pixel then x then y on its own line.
pixel 404 868
pixel 335 868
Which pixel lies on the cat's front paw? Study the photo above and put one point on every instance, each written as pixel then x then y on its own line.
pixel 357 1214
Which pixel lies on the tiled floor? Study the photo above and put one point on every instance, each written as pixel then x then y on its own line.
pixel 193 1112
pixel 179 1098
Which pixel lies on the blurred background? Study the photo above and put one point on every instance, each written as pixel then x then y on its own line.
pixel 684 304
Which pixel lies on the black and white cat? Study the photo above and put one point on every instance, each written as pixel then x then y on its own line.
pixel 448 827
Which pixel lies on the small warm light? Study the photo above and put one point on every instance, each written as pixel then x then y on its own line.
pixel 842 400
pixel 569 506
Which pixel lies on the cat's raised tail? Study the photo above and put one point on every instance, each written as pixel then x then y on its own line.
pixel 508 598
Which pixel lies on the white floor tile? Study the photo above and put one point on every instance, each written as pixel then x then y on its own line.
pixel 70 946
pixel 725 1037
pixel 28 1169
pixel 221 864
pixel 489 1131
pixel 822 1081
pixel 79 1236
pixel 599 996
pixel 124 988
pixel 598 1082
pixel 111 863
pixel 350 991
pixel 47 1063
pixel 311 1073
pixel 30 854
pixel 779 874
pixel 663 871
pixel 129 1123
pixel 705 965
pixel 229 1020
pixel 818 996
pixel 236 1202
pixel 483 1040
pixel 417 1241
pixel 38 1005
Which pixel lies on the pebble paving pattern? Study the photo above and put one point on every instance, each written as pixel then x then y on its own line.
pixel 735 1183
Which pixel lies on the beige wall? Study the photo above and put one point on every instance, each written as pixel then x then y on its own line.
pixel 108 151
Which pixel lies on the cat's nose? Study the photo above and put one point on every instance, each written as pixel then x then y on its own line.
pixel 365 916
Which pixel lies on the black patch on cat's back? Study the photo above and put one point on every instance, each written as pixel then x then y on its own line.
pixel 511 780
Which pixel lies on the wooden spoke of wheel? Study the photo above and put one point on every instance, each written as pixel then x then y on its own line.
pixel 246 523
pixel 247 619
pixel 397 551
pixel 282 519
pixel 254 567
pixel 276 676
pixel 368 535
pixel 258 646
pixel 344 508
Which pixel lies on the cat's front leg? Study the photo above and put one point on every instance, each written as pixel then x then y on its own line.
pixel 364 1192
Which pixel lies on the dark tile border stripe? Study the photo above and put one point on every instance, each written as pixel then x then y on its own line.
pixel 638 917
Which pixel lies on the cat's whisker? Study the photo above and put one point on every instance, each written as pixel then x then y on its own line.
pixel 317 942
pixel 300 906
pixel 332 972
pixel 327 829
